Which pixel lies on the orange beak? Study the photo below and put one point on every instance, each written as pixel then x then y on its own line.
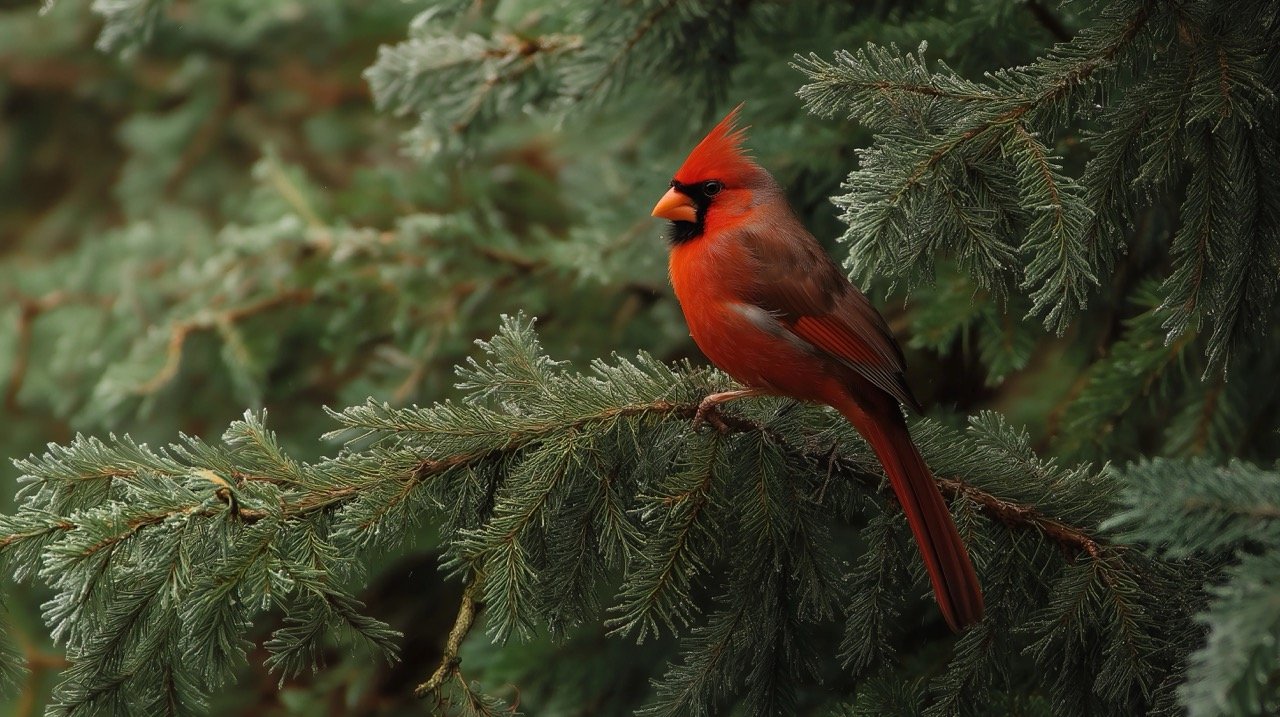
pixel 676 207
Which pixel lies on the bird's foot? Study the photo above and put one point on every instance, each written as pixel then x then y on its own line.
pixel 709 413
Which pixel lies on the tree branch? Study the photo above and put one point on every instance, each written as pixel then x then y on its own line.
pixel 1024 516
pixel 1013 514
pixel 450 661
pixel 642 29
pixel 179 332
pixel 1051 93
pixel 29 310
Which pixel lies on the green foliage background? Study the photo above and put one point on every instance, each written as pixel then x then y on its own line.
pixel 210 206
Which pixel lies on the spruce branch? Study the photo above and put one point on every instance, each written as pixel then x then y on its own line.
pixel 452 80
pixel 927 135
pixel 643 28
pixel 181 330
pixel 1197 511
pixel 938 132
pixel 522 472
pixel 871 626
pixel 1008 512
pixel 845 84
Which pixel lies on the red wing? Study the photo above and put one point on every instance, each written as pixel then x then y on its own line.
pixel 801 286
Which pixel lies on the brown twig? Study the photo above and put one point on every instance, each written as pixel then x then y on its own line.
pixel 29 310
pixel 325 90
pixel 59 526
pixel 47 74
pixel 450 661
pixel 180 331
pixel 136 524
pixel 1025 516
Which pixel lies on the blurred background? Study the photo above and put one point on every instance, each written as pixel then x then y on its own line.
pixel 214 205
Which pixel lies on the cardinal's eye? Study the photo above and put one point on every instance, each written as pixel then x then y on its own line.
pixel 711 188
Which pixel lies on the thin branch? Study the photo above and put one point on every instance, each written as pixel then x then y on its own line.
pixel 450 661
pixel 1204 423
pixel 180 331
pixel 888 88
pixel 48 74
pixel 58 526
pixel 1224 82
pixel 523 50
pixel 642 29
pixel 1260 512
pixel 1051 93
pixel 1024 516
pixel 291 193
pixel 29 310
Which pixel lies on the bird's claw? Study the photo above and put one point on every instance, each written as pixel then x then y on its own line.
pixel 709 412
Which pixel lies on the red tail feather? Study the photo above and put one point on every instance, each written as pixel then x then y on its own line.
pixel 955 585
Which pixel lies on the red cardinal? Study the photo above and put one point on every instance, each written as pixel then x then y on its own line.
pixel 766 305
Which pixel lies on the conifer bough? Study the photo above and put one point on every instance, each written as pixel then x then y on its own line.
pixel 555 489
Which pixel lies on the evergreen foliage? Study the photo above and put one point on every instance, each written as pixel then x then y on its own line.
pixel 1229 519
pixel 1068 209
pixel 565 498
